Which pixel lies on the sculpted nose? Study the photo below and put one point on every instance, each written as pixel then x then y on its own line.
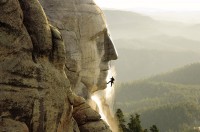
pixel 110 50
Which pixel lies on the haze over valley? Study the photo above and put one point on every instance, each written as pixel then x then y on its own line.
pixel 158 70
pixel 147 46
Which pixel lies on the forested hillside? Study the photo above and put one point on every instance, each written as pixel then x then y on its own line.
pixel 189 75
pixel 139 64
pixel 169 100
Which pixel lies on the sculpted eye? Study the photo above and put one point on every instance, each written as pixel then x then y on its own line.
pixel 99 34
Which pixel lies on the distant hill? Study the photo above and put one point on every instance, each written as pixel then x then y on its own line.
pixel 147 47
pixel 139 64
pixel 169 106
pixel 186 77
pixel 189 75
pixel 126 24
pixel 121 16
pixel 181 117
pixel 162 42
pixel 169 100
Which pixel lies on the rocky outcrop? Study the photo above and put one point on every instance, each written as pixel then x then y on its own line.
pixel 88 119
pixel 33 86
pixel 9 125
pixel 35 93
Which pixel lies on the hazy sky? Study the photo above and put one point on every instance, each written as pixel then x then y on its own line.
pixel 174 5
pixel 176 10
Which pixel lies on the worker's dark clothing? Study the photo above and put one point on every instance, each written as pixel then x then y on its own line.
pixel 111 81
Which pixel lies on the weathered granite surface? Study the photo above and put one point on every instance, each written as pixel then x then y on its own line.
pixel 89 49
pixel 88 120
pixel 35 93
pixel 87 42
pixel 33 85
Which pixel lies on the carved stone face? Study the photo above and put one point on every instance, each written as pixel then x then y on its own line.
pixel 88 44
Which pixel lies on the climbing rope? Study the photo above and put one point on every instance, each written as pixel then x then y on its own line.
pixel 110 63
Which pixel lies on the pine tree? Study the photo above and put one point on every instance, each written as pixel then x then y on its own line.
pixel 121 121
pixel 134 124
pixel 154 128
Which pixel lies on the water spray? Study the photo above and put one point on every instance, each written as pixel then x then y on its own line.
pixel 104 100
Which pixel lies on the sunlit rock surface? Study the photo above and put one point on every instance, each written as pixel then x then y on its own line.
pixel 87 42
pixel 35 93
pixel 88 119
pixel 88 51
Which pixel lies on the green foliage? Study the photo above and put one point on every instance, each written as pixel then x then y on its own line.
pixel 120 116
pixel 187 128
pixel 189 75
pixel 154 128
pixel 173 115
pixel 121 121
pixel 161 101
pixel 134 123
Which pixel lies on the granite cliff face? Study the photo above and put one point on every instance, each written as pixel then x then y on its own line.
pixel 88 45
pixel 35 93
pixel 87 42
pixel 34 87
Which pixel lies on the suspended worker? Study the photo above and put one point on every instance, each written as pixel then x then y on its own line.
pixel 111 81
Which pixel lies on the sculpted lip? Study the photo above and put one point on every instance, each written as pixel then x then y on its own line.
pixel 104 69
